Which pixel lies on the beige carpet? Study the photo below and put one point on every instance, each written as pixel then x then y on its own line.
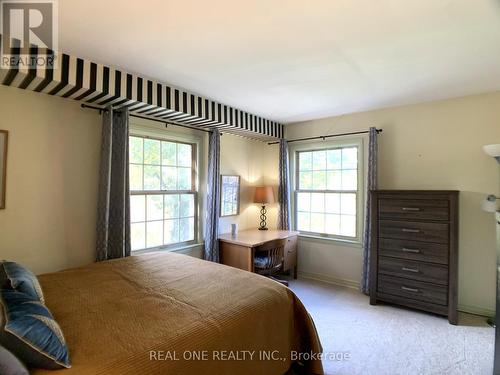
pixel 387 340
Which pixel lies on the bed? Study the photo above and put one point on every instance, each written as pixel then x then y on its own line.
pixel 167 313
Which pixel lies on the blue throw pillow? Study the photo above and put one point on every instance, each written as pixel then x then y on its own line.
pixel 31 333
pixel 22 280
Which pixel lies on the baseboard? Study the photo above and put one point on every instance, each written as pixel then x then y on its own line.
pixel 330 280
pixel 476 310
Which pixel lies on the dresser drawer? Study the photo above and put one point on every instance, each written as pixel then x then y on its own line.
pixel 410 269
pixel 411 230
pixel 411 209
pixel 413 289
pixel 414 250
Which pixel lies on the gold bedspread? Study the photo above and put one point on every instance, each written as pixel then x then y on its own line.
pixel 166 313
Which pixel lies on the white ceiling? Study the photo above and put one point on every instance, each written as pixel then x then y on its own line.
pixel 294 60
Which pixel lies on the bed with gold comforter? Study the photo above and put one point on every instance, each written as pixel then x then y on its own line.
pixel 166 313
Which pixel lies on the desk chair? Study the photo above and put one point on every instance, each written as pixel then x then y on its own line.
pixel 269 259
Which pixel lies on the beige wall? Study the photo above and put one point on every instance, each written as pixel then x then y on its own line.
pixel 52 164
pixel 255 163
pixel 428 146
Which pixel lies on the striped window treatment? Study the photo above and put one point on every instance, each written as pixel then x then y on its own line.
pixel 113 212
pixel 371 185
pixel 284 217
pixel 211 251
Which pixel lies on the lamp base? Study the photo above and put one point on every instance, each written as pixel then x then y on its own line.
pixel 263 218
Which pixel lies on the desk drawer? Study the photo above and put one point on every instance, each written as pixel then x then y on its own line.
pixel 412 209
pixel 416 231
pixel 290 256
pixel 412 289
pixel 414 250
pixel 410 269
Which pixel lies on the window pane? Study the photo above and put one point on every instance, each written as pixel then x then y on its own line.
pixel 184 155
pixel 151 178
pixel 303 221
pixel 187 205
pixel 319 180
pixel 349 180
pixel 171 231
pixel 151 151
pixel 138 236
pixel 137 208
pixel 350 158
pixel 169 153
pixel 184 178
pixel 332 203
pixel 304 201
pixel 168 178
pixel 136 177
pixel 305 161
pixel 348 204
pixel 334 158
pixel 319 160
pixel 332 224
pixel 154 209
pixel 171 206
pixel 136 150
pixel 186 229
pixel 317 223
pixel 305 180
pixel 348 226
pixel 154 233
pixel 334 180
pixel 317 202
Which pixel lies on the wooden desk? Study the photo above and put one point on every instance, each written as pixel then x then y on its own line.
pixel 239 251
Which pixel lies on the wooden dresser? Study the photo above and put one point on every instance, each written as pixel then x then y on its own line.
pixel 414 255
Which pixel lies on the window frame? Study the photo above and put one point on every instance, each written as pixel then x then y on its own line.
pixel 295 150
pixel 149 132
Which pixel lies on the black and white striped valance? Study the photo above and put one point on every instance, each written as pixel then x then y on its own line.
pixel 96 84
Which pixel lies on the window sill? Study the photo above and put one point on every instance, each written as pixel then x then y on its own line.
pixel 337 241
pixel 178 249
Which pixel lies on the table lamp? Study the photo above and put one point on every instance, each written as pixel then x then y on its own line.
pixel 263 195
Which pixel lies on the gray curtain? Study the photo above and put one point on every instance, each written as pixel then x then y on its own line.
pixel 113 212
pixel 284 218
pixel 371 185
pixel 213 199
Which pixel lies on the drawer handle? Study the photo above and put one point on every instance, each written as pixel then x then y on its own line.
pixel 406 230
pixel 406 289
pixel 415 270
pixel 410 209
pixel 406 250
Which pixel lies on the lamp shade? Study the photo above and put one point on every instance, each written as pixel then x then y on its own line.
pixel 263 194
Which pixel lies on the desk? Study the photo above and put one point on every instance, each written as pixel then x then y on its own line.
pixel 238 251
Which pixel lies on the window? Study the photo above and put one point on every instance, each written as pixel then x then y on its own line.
pixel 163 192
pixel 326 192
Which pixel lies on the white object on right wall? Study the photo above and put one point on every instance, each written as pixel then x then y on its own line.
pixel 493 150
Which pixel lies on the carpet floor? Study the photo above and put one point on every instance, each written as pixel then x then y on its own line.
pixel 387 340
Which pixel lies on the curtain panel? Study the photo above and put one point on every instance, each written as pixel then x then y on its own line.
pixel 211 251
pixel 284 213
pixel 372 182
pixel 113 212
